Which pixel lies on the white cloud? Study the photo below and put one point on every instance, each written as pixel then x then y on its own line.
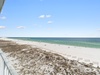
pixel 48 16
pixel 42 16
pixel 3 17
pixel 20 27
pixel 2 27
pixel 49 22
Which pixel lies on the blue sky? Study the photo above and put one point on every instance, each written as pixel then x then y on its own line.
pixel 50 18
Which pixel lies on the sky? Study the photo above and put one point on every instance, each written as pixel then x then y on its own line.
pixel 50 18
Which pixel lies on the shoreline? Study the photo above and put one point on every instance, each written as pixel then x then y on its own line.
pixel 64 43
pixel 82 54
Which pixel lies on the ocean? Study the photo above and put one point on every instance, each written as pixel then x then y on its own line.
pixel 82 42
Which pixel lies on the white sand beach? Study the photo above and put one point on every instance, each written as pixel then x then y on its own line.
pixel 82 54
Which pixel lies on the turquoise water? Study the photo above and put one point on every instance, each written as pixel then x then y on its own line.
pixel 83 42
